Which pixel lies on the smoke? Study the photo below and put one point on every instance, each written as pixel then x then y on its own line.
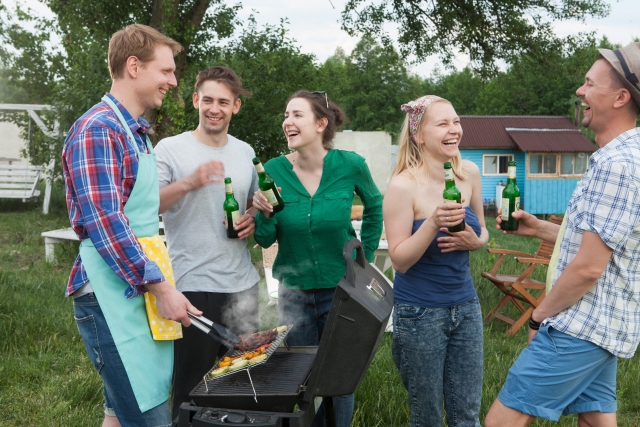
pixel 241 313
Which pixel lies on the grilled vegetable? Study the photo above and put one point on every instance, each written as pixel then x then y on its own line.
pixel 219 371
pixel 281 329
pixel 238 364
pixel 258 359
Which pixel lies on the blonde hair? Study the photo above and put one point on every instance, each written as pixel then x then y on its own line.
pixel 410 155
pixel 136 40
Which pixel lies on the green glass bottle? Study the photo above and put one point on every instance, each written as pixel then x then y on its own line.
pixel 451 194
pixel 231 210
pixel 510 200
pixel 268 187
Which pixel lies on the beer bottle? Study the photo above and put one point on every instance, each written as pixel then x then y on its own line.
pixel 510 200
pixel 451 193
pixel 268 187
pixel 231 210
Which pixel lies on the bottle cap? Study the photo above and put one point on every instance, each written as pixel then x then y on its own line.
pixel 255 160
pixel 447 165
pixel 227 180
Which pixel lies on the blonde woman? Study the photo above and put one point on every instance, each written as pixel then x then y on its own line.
pixel 437 323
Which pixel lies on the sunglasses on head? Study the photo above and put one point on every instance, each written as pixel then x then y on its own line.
pixel 321 92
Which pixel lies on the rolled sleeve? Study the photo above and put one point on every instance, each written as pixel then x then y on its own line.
pixel 371 229
pixel 606 206
pixel 266 231
pixel 95 173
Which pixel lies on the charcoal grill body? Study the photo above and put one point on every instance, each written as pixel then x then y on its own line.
pixel 355 325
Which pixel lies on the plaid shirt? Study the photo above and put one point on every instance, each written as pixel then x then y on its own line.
pixel 607 202
pixel 100 167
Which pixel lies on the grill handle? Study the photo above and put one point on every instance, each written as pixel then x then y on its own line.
pixel 347 253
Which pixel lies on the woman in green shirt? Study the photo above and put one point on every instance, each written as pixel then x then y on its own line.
pixel 318 185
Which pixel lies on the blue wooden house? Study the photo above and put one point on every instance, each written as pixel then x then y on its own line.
pixel 551 155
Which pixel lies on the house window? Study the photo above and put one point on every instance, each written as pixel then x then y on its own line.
pixel 496 164
pixel 557 164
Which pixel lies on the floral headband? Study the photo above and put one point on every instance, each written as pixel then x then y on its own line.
pixel 415 110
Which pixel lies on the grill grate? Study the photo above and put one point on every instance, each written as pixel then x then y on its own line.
pixel 235 353
pixel 284 374
pixel 278 384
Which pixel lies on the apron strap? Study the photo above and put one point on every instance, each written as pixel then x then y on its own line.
pixel 124 124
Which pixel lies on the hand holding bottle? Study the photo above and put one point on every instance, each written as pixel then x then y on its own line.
pixel 527 223
pixel 465 240
pixel 261 202
pixel 448 214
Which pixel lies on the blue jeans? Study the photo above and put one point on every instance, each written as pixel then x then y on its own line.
pixel 439 351
pixel 104 356
pixel 308 312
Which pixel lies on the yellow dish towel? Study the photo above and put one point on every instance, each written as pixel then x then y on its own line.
pixel 161 328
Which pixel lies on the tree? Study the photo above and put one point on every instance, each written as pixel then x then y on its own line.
pixel 370 85
pixel 73 74
pixel 486 30
pixel 272 68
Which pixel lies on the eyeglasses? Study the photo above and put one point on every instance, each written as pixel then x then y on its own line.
pixel 321 92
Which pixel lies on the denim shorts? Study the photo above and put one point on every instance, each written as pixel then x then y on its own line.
pixel 119 398
pixel 558 374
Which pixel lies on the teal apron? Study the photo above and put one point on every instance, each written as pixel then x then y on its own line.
pixel 148 363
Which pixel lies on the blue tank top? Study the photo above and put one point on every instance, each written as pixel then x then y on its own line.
pixel 438 279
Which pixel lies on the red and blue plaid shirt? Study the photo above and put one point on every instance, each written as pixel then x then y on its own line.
pixel 100 166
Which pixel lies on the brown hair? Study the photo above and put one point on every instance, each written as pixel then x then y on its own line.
pixel 136 40
pixel 334 114
pixel 223 75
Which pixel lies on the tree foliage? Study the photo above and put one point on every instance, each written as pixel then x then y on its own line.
pixel 486 30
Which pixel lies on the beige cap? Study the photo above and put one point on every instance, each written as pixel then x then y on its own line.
pixel 626 62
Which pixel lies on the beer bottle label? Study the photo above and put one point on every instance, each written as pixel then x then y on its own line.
pixel 259 168
pixel 450 201
pixel 235 216
pixel 511 172
pixel 228 188
pixel 448 174
pixel 505 208
pixel 271 197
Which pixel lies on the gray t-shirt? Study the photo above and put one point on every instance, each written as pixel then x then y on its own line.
pixel 203 258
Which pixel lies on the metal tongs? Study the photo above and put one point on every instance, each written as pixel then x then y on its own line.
pixel 215 331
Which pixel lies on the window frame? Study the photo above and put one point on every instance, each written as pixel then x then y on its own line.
pixel 509 156
pixel 557 173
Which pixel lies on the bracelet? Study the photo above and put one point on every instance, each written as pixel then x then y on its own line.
pixel 533 324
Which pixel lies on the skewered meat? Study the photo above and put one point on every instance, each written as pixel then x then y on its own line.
pixel 252 341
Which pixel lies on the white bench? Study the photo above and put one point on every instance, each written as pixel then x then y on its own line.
pixel 67 234
pixel 19 181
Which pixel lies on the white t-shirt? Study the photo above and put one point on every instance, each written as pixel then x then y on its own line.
pixel 203 258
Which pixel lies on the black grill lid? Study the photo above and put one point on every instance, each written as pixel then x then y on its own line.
pixel 355 324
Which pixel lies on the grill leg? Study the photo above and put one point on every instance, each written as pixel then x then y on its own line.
pixel 329 413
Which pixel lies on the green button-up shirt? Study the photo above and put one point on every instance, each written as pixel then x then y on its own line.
pixel 312 231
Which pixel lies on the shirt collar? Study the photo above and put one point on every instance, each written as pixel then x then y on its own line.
pixel 615 143
pixel 141 125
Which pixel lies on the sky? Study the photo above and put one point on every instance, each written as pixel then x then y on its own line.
pixel 315 25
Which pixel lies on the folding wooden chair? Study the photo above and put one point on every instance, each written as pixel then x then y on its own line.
pixel 516 287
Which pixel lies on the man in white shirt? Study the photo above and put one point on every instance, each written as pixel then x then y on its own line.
pixel 209 268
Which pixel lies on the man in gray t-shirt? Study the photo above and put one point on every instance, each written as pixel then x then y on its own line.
pixel 214 272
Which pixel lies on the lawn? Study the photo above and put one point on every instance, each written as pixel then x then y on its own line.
pixel 47 380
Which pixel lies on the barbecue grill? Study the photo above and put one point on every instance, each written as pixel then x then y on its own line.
pixel 291 383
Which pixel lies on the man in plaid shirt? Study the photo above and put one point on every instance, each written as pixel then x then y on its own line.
pixel 111 187
pixel 591 316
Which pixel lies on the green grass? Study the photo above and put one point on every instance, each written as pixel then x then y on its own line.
pixel 46 378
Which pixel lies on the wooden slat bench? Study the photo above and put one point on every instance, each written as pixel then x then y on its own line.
pixel 19 181
pixel 67 234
